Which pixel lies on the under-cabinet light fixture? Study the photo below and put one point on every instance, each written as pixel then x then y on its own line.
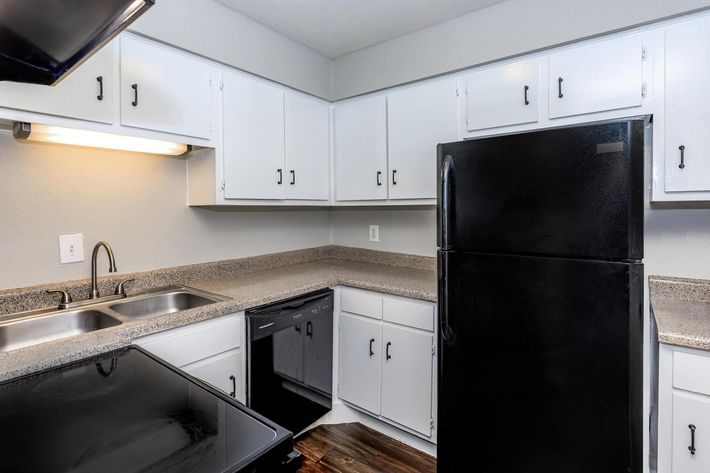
pixel 23 131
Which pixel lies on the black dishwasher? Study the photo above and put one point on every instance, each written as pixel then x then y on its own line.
pixel 290 359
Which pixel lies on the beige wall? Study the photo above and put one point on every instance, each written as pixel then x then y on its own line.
pixel 136 202
pixel 507 29
pixel 212 30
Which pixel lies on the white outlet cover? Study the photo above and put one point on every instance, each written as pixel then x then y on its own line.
pixel 71 248
pixel 374 233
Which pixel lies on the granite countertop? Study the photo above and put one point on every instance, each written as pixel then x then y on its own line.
pixel 681 308
pixel 250 286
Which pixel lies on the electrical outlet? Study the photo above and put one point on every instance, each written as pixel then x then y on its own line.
pixel 71 248
pixel 374 233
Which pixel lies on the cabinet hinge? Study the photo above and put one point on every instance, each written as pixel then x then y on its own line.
pixel 221 85
pixel 221 185
pixel 433 350
pixel 644 90
pixel 458 92
pixel 432 422
pixel 643 53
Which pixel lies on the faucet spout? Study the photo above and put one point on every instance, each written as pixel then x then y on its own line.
pixel 94 294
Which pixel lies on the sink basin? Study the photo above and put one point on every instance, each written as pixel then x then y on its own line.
pixel 161 304
pixel 25 332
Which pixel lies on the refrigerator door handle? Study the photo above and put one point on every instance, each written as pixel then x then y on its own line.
pixel 446 201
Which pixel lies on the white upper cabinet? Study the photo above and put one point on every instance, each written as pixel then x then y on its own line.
pixel 360 147
pixel 502 96
pixel 595 78
pixel 163 89
pixel 419 118
pixel 88 93
pixel 687 107
pixel 307 169
pixel 253 139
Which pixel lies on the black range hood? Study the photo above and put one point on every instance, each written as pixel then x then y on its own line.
pixel 43 40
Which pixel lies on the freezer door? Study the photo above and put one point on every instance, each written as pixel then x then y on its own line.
pixel 575 192
pixel 540 365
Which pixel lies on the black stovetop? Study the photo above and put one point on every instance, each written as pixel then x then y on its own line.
pixel 127 411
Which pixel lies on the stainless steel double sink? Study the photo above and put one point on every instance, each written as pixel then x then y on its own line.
pixel 34 327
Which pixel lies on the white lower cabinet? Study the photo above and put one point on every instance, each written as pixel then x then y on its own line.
pixel 209 350
pixel 406 377
pixel 221 371
pixel 386 368
pixel 360 362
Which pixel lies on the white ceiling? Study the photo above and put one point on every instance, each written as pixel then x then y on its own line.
pixel 337 27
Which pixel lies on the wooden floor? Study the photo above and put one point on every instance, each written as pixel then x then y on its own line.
pixel 354 448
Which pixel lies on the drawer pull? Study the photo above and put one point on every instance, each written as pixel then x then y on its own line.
pixel 372 352
pixel 394 177
pixel 387 350
pixel 293 177
pixel 692 439
pixel 135 95
pixel 682 156
pixel 233 379
pixel 527 102
pixel 281 176
pixel 379 174
pixel 559 87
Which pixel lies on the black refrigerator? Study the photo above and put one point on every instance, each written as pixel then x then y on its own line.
pixel 540 301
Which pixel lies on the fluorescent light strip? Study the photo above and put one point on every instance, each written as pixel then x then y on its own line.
pixel 95 139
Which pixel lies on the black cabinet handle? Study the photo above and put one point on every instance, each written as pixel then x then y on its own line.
pixel 387 350
pixel 682 156
pixel 692 439
pixel 135 95
pixel 293 176
pixel 309 329
pixel 379 174
pixel 100 80
pixel 234 386
pixel 281 176
pixel 559 87
pixel 372 352
pixel 525 90
pixel 394 177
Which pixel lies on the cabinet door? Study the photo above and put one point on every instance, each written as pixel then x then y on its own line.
pixel 407 366
pixel 307 148
pixel 687 106
pixel 502 96
pixel 419 118
pixel 79 95
pixel 222 371
pixel 360 355
pixel 360 146
pixel 691 429
pixel 164 90
pixel 596 78
pixel 253 139
pixel 319 353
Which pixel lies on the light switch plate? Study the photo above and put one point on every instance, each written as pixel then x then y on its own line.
pixel 374 233
pixel 71 248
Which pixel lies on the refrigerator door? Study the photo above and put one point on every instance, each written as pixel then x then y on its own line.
pixel 540 365
pixel 575 192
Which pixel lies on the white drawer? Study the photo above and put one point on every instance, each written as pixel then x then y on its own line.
pixel 691 372
pixel 412 313
pixel 360 302
pixel 218 371
pixel 195 342
pixel 691 429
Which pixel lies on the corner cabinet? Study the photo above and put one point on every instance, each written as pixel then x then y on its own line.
pixel 88 93
pixel 387 359
pixel 360 149
pixel 163 89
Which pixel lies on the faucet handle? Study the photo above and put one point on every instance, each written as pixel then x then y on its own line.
pixel 65 300
pixel 120 288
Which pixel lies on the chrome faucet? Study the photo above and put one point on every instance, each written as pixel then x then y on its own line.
pixel 94 294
